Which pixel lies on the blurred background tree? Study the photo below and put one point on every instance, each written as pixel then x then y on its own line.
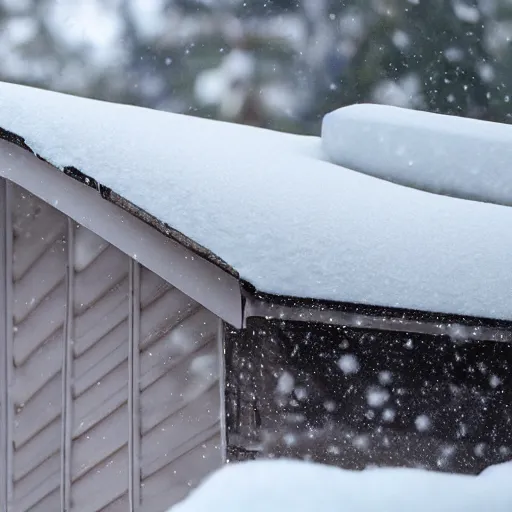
pixel 281 64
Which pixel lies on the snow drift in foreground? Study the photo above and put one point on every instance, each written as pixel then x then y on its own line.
pixel 291 486
pixel 464 158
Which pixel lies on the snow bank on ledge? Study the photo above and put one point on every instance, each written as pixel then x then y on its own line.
pixel 464 158
pixel 268 204
pixel 286 486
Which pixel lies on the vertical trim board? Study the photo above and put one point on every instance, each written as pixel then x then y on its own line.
pixel 67 374
pixel 7 346
pixel 222 390
pixel 3 345
pixel 134 388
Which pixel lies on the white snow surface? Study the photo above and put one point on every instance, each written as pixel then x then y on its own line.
pixel 291 486
pixel 464 158
pixel 272 207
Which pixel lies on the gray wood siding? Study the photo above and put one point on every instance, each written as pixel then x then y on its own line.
pixel 110 386
pixel 179 393
pixel 98 375
pixel 39 258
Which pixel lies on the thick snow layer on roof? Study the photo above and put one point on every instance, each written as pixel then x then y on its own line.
pixel 463 158
pixel 268 204
pixel 286 486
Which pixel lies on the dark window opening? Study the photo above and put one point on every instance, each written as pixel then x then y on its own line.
pixel 358 397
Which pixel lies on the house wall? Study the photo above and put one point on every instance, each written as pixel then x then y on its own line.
pixel 109 386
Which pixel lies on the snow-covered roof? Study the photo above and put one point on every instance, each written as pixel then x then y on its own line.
pixel 459 157
pixel 292 486
pixel 270 206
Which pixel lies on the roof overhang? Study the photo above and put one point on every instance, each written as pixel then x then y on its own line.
pixel 118 222
pixel 211 216
pixel 201 275
pixel 290 309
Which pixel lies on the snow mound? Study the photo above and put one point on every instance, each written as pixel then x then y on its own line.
pixel 271 206
pixel 290 486
pixel 463 158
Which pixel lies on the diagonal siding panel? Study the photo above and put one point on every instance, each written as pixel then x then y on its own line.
pixel 175 480
pixel 38 307
pixel 122 504
pixel 99 405
pixel 111 399
pixel 179 396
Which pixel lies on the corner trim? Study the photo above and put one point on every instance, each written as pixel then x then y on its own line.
pixel 222 390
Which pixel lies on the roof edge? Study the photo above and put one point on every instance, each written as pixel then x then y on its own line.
pixel 258 303
pixel 200 279
pixel 131 208
pixel 286 308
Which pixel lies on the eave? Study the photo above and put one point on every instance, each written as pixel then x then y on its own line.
pixel 172 256
pixel 194 269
